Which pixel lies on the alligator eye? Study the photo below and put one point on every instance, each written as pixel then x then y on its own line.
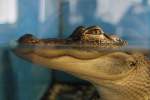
pixel 76 35
pixel 97 32
pixel 94 32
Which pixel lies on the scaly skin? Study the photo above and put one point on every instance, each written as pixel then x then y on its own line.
pixel 118 75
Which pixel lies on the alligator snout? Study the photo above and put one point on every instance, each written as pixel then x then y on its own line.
pixel 82 37
pixel 28 39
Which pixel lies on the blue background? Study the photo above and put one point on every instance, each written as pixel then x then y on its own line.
pixel 21 80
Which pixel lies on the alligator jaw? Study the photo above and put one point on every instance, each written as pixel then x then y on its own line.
pixel 110 83
pixel 74 61
pixel 117 75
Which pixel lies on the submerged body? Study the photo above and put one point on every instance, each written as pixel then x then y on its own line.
pixel 118 75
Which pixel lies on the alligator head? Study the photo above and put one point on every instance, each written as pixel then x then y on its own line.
pixel 91 54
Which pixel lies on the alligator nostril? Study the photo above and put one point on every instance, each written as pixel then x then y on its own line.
pixel 27 38
pixel 24 38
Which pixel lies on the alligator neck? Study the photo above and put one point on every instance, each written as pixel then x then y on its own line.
pixel 109 94
pixel 134 87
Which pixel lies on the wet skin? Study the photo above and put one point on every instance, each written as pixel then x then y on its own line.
pixel 91 54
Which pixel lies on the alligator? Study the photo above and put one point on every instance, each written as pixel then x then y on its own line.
pixel 93 55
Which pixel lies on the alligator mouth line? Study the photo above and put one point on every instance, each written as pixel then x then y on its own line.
pixel 46 54
pixel 35 57
pixel 51 53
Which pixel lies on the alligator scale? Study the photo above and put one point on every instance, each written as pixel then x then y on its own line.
pixel 84 37
pixel 117 75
